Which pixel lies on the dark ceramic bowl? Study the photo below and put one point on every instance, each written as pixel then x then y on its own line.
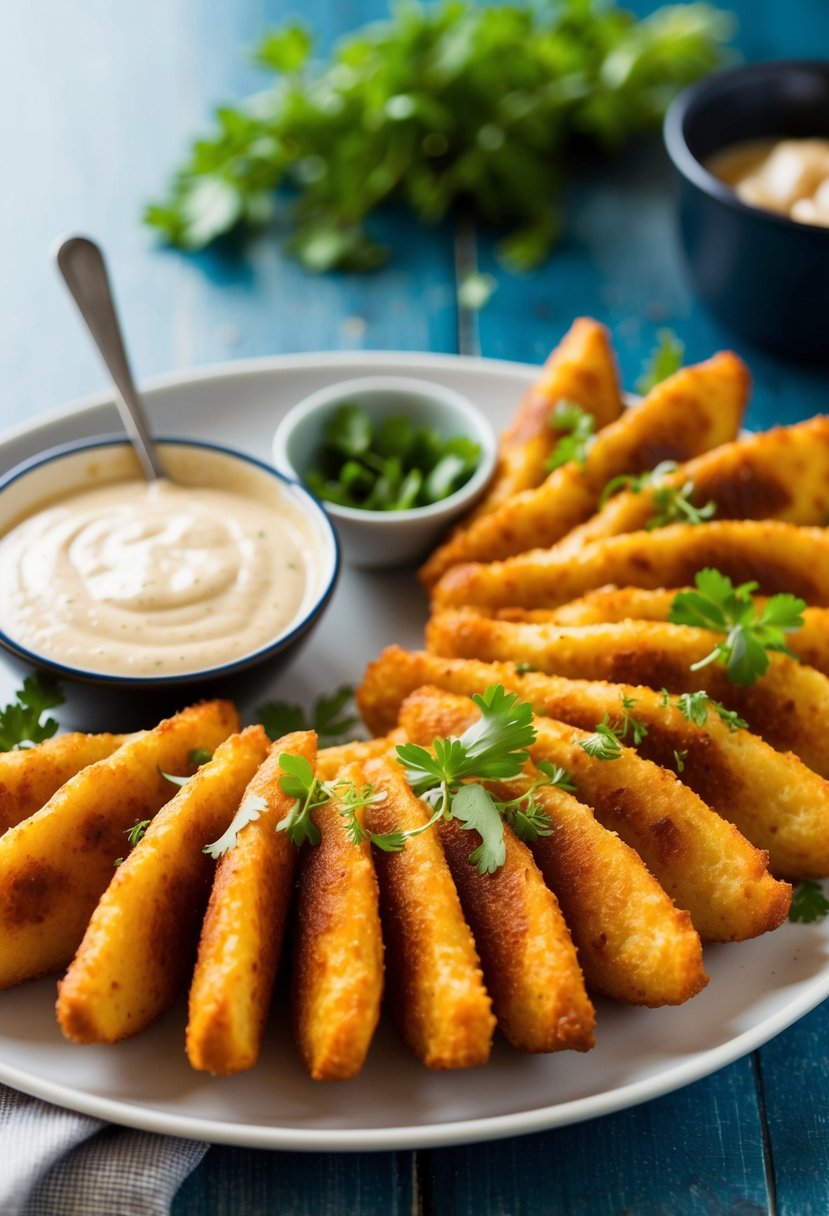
pixel 125 701
pixel 763 275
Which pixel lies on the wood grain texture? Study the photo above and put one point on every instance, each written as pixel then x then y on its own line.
pixel 109 97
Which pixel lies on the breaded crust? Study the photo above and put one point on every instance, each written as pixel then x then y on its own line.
pixel 787 706
pixel 692 411
pixel 580 369
pixel 705 865
pixel 140 943
pixel 337 978
pixel 434 982
pixel 633 944
pixel 529 960
pixel 611 604
pixel 774 800
pixel 779 556
pixel 55 865
pixel 244 927
pixel 778 474
pixel 30 776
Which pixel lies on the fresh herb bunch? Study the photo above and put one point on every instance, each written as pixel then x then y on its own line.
pixel 331 716
pixel 393 466
pixel 494 748
pixel 443 106
pixel 21 722
pixel 751 632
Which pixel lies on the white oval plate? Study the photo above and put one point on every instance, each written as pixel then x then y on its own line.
pixel 757 988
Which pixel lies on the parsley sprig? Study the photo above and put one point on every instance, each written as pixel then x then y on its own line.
pixel 606 741
pixel 672 504
pixel 493 748
pixel 22 723
pixel 808 902
pixel 578 433
pixel 695 707
pixel 444 105
pixel 390 465
pixel 331 716
pixel 664 360
pixel 751 632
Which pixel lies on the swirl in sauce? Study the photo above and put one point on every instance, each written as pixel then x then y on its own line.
pixel 146 579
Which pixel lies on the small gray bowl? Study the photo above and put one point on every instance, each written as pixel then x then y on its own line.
pixel 374 539
pixel 763 275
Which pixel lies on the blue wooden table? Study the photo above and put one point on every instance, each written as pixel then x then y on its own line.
pixel 98 101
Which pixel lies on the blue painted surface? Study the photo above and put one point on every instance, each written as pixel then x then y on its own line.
pixel 99 101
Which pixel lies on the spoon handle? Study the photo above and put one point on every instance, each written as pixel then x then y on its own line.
pixel 82 265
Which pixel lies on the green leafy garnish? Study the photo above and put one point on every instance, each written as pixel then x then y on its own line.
pixel 557 777
pixel 603 744
pixel 493 748
pixel 392 465
pixel 672 504
pixel 665 359
pixel 679 759
pixel 22 723
pixel 695 707
pixel 250 808
pixel 327 717
pixel 578 431
pixel 751 633
pixel 637 729
pixel 298 782
pixel 198 756
pixel 134 835
pixel 808 902
pixel 523 668
pixel 446 105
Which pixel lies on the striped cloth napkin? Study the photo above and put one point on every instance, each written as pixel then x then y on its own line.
pixel 54 1162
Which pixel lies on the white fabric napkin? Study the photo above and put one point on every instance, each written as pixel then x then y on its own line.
pixel 54 1162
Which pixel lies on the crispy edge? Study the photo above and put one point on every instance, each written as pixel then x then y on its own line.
pixel 30 776
pixel 779 556
pixel 633 943
pixel 434 981
pixel 692 411
pixel 141 937
pixel 337 979
pixel 55 865
pixel 244 927
pixel 787 706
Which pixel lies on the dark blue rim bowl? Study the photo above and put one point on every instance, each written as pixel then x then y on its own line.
pixel 203 674
pixel 762 274
pixel 793 97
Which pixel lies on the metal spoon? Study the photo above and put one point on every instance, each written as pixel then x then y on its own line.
pixel 82 265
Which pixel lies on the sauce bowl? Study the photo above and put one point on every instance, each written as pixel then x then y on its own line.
pixel 375 539
pixel 762 274
pixel 56 474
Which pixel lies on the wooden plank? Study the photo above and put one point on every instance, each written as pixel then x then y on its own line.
pixel 794 1071
pixel 231 1181
pixel 695 1151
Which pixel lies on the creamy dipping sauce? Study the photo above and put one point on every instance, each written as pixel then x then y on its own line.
pixel 152 579
pixel 789 176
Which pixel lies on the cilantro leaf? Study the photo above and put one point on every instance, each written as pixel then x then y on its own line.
pixel 679 759
pixel 671 503
pixel 557 777
pixel 603 744
pixel 808 903
pixel 329 717
pixel 21 722
pixel 474 808
pixel 577 429
pixel 695 706
pixel 250 808
pixel 751 633
pixel 665 360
